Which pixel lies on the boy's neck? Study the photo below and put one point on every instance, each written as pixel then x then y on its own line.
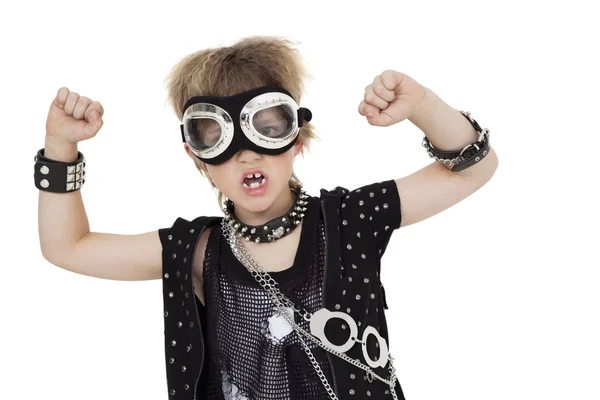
pixel 281 206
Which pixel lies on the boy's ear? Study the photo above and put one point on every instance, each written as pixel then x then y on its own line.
pixel 297 147
pixel 188 151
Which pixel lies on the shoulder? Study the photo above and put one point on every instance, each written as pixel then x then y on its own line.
pixel 183 227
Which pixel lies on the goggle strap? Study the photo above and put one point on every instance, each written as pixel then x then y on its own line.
pixel 304 114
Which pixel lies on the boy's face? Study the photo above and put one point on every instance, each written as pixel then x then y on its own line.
pixel 231 179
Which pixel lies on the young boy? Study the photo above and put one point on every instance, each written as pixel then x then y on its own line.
pixel 281 297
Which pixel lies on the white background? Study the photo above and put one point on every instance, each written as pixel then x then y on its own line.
pixel 495 298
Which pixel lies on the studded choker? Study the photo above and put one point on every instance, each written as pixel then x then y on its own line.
pixel 275 228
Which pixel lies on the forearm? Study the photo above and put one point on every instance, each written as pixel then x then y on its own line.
pixel 62 220
pixel 444 126
pixel 447 129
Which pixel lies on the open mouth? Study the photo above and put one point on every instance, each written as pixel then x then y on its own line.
pixel 252 181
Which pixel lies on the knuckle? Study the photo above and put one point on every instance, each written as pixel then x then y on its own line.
pixel 378 89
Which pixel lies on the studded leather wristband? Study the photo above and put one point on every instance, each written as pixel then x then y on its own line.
pixel 58 176
pixel 466 157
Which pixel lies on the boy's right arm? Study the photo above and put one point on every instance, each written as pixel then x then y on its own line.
pixel 65 237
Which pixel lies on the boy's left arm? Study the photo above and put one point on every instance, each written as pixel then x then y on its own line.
pixel 394 97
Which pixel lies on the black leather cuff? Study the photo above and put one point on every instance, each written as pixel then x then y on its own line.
pixel 57 176
pixel 466 157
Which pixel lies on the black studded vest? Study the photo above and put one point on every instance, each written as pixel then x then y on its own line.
pixel 356 227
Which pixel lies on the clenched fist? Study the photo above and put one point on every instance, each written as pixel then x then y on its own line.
pixel 72 118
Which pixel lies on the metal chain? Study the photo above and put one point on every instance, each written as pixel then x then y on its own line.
pixel 281 301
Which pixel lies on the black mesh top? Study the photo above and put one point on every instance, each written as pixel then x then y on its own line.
pixel 252 353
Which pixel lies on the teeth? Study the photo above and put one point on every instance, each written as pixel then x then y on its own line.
pixel 257 175
pixel 249 176
pixel 262 181
pixel 254 185
pixel 246 186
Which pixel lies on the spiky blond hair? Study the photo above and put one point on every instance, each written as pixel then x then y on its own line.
pixel 224 71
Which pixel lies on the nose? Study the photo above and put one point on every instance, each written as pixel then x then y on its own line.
pixel 248 156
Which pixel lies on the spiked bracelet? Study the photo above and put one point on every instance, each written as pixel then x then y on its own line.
pixel 466 157
pixel 57 176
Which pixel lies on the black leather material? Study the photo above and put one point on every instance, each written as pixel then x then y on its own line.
pixel 59 176
pixel 471 155
pixel 474 158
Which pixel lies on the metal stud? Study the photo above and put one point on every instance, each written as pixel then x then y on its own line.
pixel 358 297
pixel 345 222
pixel 44 170
pixel 383 190
pixel 371 194
pixel 349 247
pixel 173 342
pixel 174 255
pixel 170 237
pixel 44 183
pixel 362 216
pixel 361 203
pixel 183 368
pixel 385 205
pixel 171 294
pixel 265 228
pixel 376 208
pixel 171 360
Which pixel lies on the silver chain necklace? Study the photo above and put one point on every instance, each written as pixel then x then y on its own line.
pixel 281 302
